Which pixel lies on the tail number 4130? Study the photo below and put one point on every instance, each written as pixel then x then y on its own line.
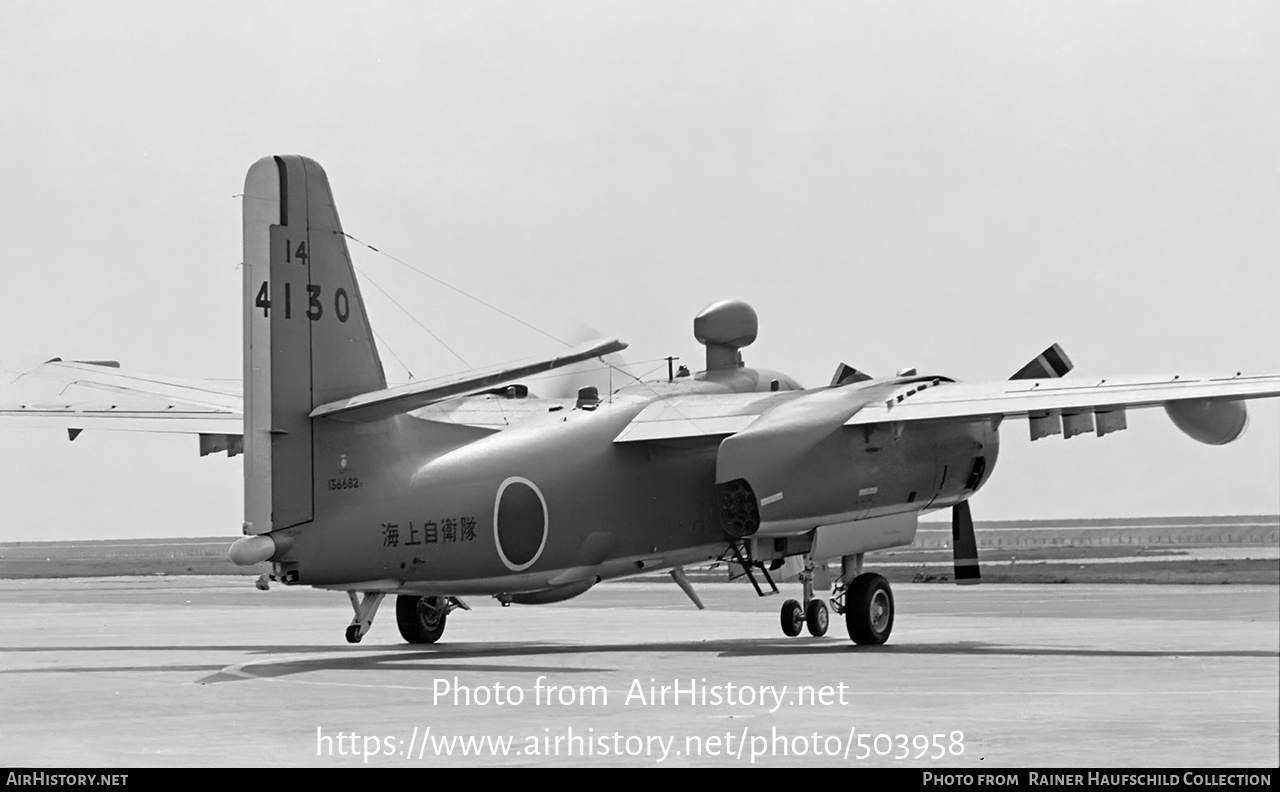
pixel 315 303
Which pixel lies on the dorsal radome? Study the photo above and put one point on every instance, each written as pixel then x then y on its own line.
pixel 724 328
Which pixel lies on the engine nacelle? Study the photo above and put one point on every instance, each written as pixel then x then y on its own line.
pixel 799 466
pixel 1210 421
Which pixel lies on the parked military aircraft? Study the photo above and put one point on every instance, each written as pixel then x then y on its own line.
pixel 470 485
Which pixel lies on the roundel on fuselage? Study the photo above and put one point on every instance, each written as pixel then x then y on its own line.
pixel 519 523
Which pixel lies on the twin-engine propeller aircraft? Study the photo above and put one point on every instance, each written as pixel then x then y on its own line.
pixel 469 485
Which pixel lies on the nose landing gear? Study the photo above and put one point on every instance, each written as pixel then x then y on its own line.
pixel 811 613
pixel 817 618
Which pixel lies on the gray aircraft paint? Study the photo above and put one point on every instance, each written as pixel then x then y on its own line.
pixel 411 504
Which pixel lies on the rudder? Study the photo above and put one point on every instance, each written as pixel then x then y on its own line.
pixel 307 339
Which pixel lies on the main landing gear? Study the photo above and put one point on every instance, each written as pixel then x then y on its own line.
pixel 420 619
pixel 812 613
pixel 865 600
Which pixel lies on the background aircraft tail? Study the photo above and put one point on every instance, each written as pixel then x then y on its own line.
pixel 306 334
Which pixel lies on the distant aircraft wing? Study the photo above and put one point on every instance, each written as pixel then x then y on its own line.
pixel 124 415
pixel 406 398
pixel 108 377
pixel 131 401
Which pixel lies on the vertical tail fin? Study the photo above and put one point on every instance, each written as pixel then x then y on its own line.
pixel 307 339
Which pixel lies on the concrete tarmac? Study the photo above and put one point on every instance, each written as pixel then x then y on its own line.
pixel 121 672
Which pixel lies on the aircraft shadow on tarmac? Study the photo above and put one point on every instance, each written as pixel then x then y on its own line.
pixel 471 657
pixel 455 658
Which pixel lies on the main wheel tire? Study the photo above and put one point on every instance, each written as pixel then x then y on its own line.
pixel 817 618
pixel 421 619
pixel 792 618
pixel 868 609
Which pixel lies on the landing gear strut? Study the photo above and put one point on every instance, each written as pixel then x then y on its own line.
pixel 365 609
pixel 812 613
pixel 421 619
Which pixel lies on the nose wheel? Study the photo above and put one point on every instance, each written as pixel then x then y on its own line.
pixel 792 618
pixel 817 618
pixel 810 612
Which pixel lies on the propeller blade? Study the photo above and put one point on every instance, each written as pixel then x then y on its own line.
pixel 1049 364
pixel 846 374
pixel 964 546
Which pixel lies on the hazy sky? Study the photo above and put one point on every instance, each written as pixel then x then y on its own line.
pixel 950 186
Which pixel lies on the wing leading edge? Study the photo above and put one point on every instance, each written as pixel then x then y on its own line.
pixel 1055 406
pixel 1052 405
pixel 406 398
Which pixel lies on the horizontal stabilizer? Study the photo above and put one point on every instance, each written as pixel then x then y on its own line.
pixel 405 398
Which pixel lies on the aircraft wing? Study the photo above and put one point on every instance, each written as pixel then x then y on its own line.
pixel 106 376
pixel 214 409
pixel 1072 406
pixel 125 415
pixel 132 402
pixel 405 398
pixel 1207 408
pixel 700 415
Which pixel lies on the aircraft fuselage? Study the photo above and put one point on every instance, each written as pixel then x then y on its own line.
pixel 552 503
